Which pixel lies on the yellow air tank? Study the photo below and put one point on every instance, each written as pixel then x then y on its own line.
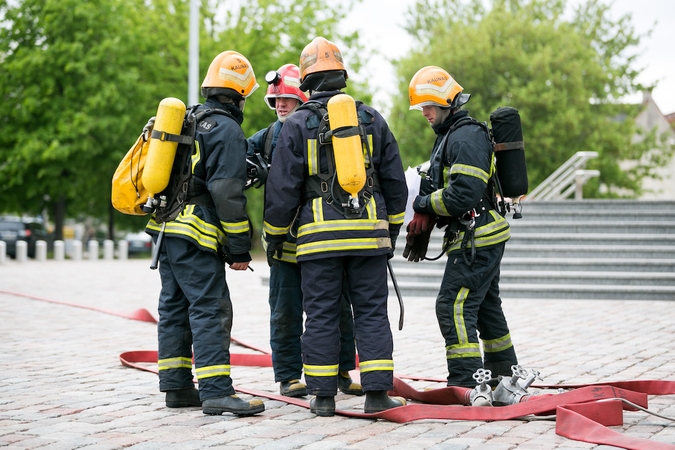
pixel 161 153
pixel 349 164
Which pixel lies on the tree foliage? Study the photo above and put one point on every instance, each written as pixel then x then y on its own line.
pixel 565 73
pixel 78 80
pixel 72 76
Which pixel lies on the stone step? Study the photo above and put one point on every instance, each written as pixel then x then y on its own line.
pixel 595 226
pixel 434 276
pixel 531 263
pixel 554 291
pixel 577 250
pixel 582 239
pixel 597 206
pixel 590 216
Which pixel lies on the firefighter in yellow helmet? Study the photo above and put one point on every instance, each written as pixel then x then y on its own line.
pixel 195 310
pixel 468 304
pixel 336 244
pixel 285 296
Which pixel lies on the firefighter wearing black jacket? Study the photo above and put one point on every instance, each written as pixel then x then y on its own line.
pixel 195 310
pixel 468 303
pixel 285 296
pixel 331 246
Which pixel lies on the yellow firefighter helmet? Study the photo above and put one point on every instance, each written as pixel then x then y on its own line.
pixel 320 55
pixel 230 70
pixel 432 85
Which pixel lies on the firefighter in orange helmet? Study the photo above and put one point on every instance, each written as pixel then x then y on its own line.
pixel 195 309
pixel 336 246
pixel 468 304
pixel 285 297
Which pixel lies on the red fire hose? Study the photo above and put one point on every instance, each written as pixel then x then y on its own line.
pixel 583 413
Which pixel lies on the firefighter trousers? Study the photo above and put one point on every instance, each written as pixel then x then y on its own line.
pixel 322 284
pixel 468 306
pixel 195 312
pixel 286 320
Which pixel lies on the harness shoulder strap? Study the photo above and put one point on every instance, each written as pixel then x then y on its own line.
pixel 267 146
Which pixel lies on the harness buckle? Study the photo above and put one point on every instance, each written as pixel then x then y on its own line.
pixel 324 186
pixel 325 138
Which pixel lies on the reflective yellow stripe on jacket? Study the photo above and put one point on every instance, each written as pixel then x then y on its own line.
pixel 190 225
pixel 490 234
pixel 329 227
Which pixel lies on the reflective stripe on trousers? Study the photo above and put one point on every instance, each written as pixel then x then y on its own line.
pixel 468 305
pixel 322 281
pixel 194 301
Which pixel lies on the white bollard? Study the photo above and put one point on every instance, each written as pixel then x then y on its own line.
pixel 76 254
pixel 3 252
pixel 123 249
pixel 41 251
pixel 93 250
pixel 108 249
pixel 59 250
pixel 21 251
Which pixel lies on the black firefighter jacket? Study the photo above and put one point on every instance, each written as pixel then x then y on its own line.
pixel 220 162
pixel 465 156
pixel 323 231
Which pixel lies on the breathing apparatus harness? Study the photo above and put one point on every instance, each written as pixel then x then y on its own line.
pixel 184 188
pixel 324 184
pixel 468 219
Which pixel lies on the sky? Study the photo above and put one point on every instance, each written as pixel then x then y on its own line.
pixel 380 24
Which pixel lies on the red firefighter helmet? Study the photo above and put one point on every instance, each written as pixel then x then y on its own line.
pixel 284 82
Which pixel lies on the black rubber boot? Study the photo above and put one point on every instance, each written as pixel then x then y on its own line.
pixel 347 386
pixel 292 388
pixel 377 401
pixel 232 404
pixel 322 406
pixel 183 398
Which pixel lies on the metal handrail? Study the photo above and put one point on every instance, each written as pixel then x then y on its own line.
pixel 566 177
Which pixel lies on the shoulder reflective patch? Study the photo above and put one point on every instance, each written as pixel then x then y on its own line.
pixel 312 122
pixel 207 124
pixel 366 117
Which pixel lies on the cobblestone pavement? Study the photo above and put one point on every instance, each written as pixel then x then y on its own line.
pixel 64 387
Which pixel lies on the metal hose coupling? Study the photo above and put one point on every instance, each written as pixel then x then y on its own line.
pixel 481 395
pixel 513 390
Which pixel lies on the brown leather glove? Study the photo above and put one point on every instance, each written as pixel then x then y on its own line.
pixel 420 223
pixel 416 245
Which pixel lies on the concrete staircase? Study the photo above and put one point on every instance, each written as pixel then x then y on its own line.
pixel 588 249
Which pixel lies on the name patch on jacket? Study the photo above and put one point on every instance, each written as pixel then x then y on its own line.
pixel 206 125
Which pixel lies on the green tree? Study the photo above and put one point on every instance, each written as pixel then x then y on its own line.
pixel 565 74
pixel 72 76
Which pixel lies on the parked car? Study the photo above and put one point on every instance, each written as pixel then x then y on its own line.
pixel 14 229
pixel 139 243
